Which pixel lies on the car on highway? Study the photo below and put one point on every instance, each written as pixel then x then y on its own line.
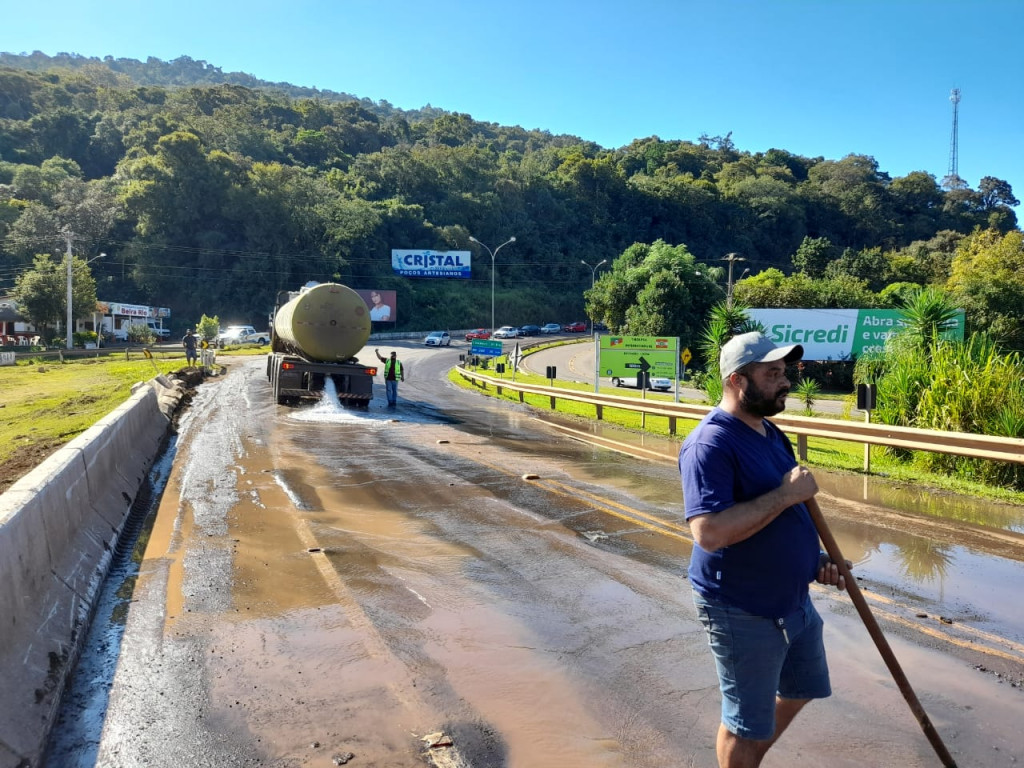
pixel 529 330
pixel 551 328
pixel 438 339
pixel 574 327
pixel 479 333
pixel 506 332
pixel 660 383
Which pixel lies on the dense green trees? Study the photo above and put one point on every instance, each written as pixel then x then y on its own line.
pixel 41 291
pixel 211 191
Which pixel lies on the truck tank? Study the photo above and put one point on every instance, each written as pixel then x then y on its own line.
pixel 328 322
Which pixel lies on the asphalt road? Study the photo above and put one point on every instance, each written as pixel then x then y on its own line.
pixel 320 588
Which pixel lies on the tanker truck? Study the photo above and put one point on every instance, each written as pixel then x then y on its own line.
pixel 315 334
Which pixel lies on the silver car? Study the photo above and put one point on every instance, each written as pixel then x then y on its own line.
pixel 438 339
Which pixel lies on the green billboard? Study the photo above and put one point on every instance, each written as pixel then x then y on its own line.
pixel 838 334
pixel 625 355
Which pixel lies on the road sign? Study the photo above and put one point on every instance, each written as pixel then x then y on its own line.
pixel 485 348
pixel 686 357
pixel 515 356
pixel 621 355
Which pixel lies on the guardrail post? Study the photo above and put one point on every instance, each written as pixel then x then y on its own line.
pixel 801 447
pixel 867 446
pixel 599 409
pixel 522 396
pixel 671 425
pixel 552 402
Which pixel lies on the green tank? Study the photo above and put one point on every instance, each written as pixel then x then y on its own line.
pixel 328 322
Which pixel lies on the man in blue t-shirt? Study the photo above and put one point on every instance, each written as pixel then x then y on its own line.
pixel 756 551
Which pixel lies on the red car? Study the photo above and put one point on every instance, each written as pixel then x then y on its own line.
pixel 576 327
pixel 479 333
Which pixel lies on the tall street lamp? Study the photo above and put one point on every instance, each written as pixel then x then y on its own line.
pixel 732 258
pixel 493 254
pixel 593 278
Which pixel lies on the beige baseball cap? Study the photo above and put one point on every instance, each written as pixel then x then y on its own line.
pixel 754 347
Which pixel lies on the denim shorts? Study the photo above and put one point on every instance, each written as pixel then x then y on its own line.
pixel 759 659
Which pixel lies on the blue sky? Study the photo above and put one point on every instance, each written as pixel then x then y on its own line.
pixel 825 78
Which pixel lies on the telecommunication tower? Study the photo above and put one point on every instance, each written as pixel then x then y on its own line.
pixel 954 170
pixel 953 180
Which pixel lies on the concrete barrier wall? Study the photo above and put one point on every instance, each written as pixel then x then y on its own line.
pixel 58 528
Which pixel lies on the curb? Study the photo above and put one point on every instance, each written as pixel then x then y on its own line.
pixel 59 525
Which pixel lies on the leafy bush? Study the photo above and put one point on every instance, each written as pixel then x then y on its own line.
pixel 208 327
pixel 81 338
pixel 140 333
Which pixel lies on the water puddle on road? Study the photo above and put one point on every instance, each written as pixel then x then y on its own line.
pixel 937 553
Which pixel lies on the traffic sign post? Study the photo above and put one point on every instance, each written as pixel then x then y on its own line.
pixel 685 357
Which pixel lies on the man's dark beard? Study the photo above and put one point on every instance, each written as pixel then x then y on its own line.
pixel 757 403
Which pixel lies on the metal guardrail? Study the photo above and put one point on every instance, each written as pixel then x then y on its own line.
pixel 955 443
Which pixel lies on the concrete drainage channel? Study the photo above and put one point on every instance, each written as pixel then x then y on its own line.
pixel 59 528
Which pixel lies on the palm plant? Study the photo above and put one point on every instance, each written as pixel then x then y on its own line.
pixel 927 314
pixel 807 391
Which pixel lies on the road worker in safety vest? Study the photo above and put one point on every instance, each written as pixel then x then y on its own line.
pixel 393 373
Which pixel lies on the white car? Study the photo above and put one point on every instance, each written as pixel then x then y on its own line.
pixel 438 339
pixel 506 332
pixel 660 383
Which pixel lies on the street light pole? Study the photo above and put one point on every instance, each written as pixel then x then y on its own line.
pixel 732 258
pixel 493 254
pixel 593 278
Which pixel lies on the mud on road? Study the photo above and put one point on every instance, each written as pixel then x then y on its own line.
pixel 322 589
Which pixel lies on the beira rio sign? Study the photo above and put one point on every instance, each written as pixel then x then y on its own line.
pixel 419 263
pixel 839 334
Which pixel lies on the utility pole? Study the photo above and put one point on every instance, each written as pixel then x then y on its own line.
pixel 67 237
pixel 732 258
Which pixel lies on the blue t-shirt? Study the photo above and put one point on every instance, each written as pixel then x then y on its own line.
pixel 724 462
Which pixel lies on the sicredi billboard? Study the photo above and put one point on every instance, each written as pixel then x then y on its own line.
pixel 838 334
pixel 620 355
pixel 431 263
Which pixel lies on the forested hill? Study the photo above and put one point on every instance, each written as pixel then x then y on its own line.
pixel 186 71
pixel 209 196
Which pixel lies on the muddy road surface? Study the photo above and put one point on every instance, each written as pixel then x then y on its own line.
pixel 457 583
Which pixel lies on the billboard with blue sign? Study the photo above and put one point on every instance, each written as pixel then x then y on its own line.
pixel 485 348
pixel 410 263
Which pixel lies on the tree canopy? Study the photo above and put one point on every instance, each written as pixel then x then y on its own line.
pixel 211 191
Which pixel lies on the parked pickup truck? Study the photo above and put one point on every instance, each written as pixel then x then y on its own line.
pixel 160 333
pixel 242 334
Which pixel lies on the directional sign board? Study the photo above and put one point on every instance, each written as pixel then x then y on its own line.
pixel 485 348
pixel 515 357
pixel 625 355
